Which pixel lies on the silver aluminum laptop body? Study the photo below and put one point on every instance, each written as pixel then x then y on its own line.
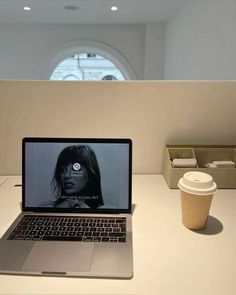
pixel 48 189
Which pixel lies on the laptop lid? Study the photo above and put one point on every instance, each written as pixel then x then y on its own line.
pixel 77 175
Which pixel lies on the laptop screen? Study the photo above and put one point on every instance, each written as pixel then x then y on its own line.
pixel 77 175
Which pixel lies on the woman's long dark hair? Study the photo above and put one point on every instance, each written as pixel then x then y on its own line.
pixel 86 157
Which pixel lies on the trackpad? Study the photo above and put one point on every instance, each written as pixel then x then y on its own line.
pixel 59 257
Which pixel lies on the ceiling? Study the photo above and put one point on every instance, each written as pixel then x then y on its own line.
pixel 88 11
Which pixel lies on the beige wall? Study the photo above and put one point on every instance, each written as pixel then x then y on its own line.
pixel 151 113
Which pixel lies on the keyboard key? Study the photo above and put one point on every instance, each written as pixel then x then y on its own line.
pixel 52 238
pixel 105 239
pixel 122 240
pixel 72 234
pixel 97 239
pixel 87 239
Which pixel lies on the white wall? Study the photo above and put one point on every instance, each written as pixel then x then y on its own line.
pixel 24 48
pixel 154 51
pixel 201 41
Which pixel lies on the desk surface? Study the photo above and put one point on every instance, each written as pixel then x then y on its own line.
pixel 168 258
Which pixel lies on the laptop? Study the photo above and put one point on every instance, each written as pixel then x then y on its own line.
pixel 76 210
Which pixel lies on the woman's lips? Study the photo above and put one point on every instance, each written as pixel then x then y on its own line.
pixel 68 185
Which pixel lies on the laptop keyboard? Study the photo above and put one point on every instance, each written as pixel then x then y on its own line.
pixel 65 228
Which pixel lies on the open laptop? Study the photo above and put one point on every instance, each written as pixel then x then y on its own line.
pixel 76 210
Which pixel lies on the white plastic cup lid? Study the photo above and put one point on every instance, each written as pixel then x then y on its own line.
pixel 197 183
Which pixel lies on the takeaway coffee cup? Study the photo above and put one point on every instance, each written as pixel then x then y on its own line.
pixel 197 189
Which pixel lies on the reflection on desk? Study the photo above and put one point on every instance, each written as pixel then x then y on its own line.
pixel 168 258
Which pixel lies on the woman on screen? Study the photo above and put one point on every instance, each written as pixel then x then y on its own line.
pixel 76 181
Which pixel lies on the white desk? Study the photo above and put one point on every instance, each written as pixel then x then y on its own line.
pixel 168 258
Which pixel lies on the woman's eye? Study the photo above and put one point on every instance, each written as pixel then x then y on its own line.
pixel 63 170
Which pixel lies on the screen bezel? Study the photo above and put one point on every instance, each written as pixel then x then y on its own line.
pixel 77 140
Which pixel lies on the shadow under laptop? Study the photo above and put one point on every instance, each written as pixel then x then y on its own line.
pixel 133 208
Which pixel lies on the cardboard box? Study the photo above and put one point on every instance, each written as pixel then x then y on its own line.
pixel 204 154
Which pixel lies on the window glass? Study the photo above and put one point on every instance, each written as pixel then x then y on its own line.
pixel 86 66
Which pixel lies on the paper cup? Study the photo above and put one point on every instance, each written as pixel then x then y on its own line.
pixel 196 189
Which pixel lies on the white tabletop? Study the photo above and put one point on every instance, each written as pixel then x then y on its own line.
pixel 168 258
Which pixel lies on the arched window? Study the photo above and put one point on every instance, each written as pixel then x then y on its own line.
pixel 86 60
pixel 86 66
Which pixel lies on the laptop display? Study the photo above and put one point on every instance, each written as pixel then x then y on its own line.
pixel 76 175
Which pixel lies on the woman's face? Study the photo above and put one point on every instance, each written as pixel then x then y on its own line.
pixel 74 178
